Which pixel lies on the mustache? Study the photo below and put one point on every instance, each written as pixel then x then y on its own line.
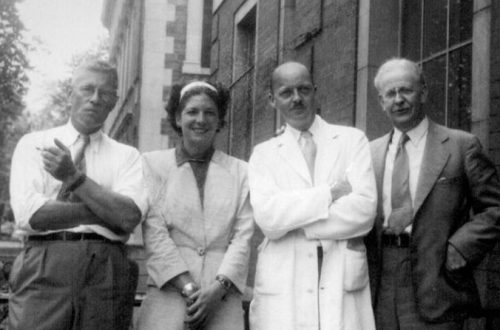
pixel 298 103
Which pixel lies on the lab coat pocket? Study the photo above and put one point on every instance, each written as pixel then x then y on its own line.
pixel 355 270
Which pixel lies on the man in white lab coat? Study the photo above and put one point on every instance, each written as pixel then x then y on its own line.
pixel 314 197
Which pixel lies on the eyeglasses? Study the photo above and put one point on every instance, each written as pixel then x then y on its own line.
pixel 404 92
pixel 303 90
pixel 107 96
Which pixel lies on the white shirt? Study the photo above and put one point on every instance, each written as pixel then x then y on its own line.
pixel 415 150
pixel 313 130
pixel 113 165
pixel 297 135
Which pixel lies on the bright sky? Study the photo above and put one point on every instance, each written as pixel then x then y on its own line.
pixel 64 28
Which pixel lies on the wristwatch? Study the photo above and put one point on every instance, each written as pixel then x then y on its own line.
pixel 189 289
pixel 77 183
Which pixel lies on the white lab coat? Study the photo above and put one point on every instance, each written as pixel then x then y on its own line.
pixel 295 214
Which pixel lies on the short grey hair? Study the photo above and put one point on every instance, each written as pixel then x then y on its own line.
pixel 101 67
pixel 397 62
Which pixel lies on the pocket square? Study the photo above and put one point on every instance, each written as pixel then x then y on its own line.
pixel 452 180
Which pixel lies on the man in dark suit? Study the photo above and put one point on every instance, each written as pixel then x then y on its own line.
pixel 438 211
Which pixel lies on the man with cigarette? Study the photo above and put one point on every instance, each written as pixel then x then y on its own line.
pixel 76 196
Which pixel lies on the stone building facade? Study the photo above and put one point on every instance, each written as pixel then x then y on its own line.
pixel 343 42
pixel 156 43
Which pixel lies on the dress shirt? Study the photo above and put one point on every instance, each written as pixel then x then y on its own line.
pixel 297 137
pixel 296 133
pixel 113 165
pixel 415 150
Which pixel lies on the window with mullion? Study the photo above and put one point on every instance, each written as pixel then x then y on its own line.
pixel 438 35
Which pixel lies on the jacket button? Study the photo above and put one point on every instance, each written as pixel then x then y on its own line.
pixel 201 251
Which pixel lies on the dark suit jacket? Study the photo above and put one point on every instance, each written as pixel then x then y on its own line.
pixel 457 202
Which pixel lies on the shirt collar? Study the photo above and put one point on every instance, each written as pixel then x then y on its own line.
pixel 70 135
pixel 416 134
pixel 182 156
pixel 314 129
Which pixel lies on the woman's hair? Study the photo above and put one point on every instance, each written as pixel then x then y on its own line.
pixel 179 96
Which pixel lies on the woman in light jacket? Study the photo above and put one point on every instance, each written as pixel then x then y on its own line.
pixel 198 230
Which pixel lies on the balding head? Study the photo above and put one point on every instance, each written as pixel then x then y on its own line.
pixel 292 94
pixel 288 68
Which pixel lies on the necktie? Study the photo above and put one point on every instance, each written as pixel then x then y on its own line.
pixel 79 157
pixel 402 209
pixel 308 148
pixel 79 162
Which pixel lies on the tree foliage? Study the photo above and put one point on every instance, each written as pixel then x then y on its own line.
pixel 13 63
pixel 13 85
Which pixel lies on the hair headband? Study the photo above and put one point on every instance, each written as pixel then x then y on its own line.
pixel 196 84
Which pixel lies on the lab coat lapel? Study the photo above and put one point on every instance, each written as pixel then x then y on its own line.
pixel 327 155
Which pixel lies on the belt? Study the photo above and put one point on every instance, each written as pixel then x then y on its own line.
pixel 402 240
pixel 69 236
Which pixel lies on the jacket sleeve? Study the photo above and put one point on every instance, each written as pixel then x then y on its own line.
pixel 235 263
pixel 351 215
pixel 278 211
pixel 478 236
pixel 164 259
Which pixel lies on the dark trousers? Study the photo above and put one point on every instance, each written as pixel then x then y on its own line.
pixel 396 305
pixel 72 285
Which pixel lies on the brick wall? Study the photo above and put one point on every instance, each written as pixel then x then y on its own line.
pixel 334 61
pixel 267 50
pixel 176 29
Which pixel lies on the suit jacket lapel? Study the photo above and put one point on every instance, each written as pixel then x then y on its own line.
pixel 435 157
pixel 289 150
